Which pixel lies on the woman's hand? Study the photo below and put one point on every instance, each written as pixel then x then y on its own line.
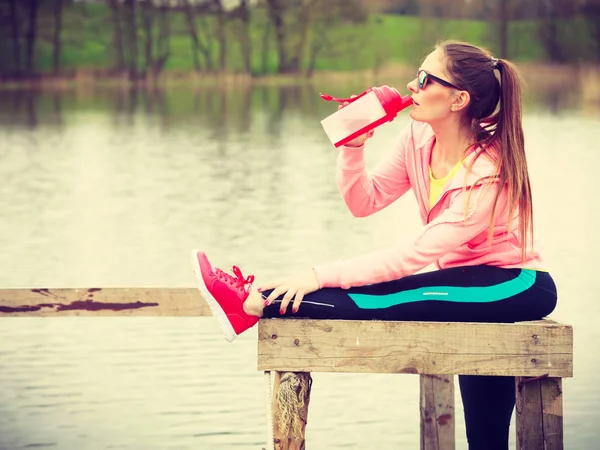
pixel 294 287
pixel 360 140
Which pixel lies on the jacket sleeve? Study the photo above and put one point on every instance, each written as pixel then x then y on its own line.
pixel 454 227
pixel 366 192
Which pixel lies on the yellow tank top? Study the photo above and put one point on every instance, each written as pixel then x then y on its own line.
pixel 437 186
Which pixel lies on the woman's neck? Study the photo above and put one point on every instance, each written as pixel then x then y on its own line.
pixel 451 141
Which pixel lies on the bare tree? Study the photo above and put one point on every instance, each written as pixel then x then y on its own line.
pixel 132 39
pixel 242 12
pixel 56 40
pixel 117 34
pixel 147 14
pixel 15 32
pixel 294 22
pixel 265 46
pixel 198 43
pixel 31 35
pixel 503 21
pixel 591 9
pixel 164 39
pixel 156 44
pixel 276 11
pixel 221 36
pixel 552 13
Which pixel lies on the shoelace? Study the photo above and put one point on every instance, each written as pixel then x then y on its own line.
pixel 238 282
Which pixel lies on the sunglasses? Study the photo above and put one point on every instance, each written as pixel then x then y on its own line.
pixel 423 77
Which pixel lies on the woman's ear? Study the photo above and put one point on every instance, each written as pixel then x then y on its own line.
pixel 461 100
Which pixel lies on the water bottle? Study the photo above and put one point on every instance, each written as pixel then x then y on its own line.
pixel 364 112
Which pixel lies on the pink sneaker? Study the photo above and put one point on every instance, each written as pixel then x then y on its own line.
pixel 225 294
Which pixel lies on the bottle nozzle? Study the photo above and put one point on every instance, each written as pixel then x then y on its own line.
pixel 329 98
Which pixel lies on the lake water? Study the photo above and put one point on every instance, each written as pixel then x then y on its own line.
pixel 111 188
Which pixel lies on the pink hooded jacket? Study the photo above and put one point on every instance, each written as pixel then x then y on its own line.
pixel 455 230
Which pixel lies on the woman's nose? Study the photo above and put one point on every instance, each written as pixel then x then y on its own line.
pixel 412 86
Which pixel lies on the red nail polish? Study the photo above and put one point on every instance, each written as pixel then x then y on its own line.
pixel 266 302
pixel 259 289
pixel 281 312
pixel 294 310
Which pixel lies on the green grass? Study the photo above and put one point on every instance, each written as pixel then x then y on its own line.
pixel 88 35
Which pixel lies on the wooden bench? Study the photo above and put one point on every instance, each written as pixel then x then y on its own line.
pixel 538 353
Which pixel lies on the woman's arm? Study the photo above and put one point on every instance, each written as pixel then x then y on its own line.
pixel 366 192
pixel 446 233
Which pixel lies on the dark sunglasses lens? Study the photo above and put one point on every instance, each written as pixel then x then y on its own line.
pixel 422 79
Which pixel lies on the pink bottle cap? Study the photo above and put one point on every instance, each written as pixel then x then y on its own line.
pixel 391 100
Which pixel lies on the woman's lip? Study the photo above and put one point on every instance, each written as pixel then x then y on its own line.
pixel 414 103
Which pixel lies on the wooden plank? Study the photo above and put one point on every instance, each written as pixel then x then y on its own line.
pixel 435 348
pixel 102 302
pixel 437 412
pixel 539 413
pixel 291 397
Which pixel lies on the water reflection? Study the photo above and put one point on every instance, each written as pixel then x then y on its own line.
pixel 222 109
pixel 112 187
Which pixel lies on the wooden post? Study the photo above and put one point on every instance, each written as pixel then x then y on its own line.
pixel 437 412
pixel 539 413
pixel 290 399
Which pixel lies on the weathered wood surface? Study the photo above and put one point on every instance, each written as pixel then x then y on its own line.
pixel 433 348
pixel 103 302
pixel 437 412
pixel 290 409
pixel 539 414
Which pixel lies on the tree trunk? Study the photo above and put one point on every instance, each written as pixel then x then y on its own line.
pixel 305 18
pixel 592 11
pixel 276 10
pixel 265 47
pixel 132 40
pixel 163 47
pixel 56 41
pixel 118 35
pixel 317 44
pixel 31 36
pixel 16 38
pixel 191 22
pixel 147 21
pixel 503 24
pixel 197 43
pixel 221 35
pixel 206 46
pixel 548 31
pixel 245 42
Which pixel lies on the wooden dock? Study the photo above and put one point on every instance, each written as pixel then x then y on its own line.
pixel 539 354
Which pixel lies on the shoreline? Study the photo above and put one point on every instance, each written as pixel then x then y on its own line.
pixel 537 72
pixel 538 77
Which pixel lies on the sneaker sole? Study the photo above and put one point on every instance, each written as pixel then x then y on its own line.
pixel 216 309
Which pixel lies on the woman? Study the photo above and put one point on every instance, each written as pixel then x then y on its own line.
pixel 463 156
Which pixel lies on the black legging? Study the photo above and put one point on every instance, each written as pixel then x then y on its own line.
pixel 460 294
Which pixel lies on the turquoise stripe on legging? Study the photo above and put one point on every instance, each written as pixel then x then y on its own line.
pixel 470 294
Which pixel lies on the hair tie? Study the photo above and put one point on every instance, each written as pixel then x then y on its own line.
pixel 494 62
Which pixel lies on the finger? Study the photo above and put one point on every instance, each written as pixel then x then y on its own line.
pixel 297 301
pixel 288 296
pixel 275 294
pixel 371 133
pixel 286 301
pixel 269 285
